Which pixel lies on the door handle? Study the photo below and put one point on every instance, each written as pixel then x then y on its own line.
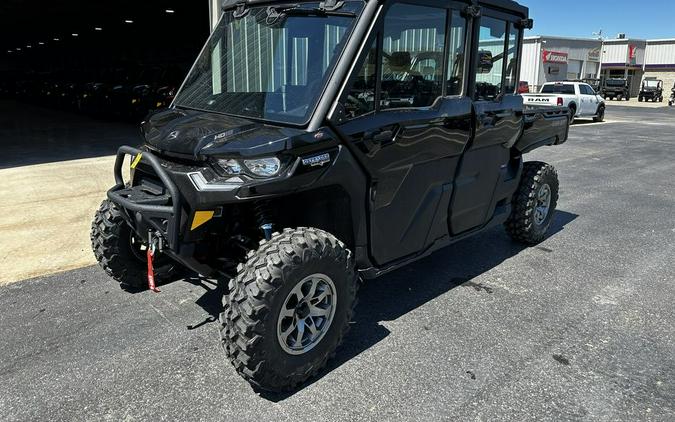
pixel 383 136
pixel 500 114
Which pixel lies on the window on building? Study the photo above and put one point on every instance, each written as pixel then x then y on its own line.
pixel 412 56
pixel 490 58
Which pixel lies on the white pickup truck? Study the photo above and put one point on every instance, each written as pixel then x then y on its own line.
pixel 579 97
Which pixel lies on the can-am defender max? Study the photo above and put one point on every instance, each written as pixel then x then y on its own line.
pixel 315 144
pixel 652 89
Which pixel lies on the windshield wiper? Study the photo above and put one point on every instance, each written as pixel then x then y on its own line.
pixel 274 13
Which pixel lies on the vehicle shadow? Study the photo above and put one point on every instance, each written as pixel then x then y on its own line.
pixel 400 292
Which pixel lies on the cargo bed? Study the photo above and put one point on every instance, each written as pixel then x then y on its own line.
pixel 543 126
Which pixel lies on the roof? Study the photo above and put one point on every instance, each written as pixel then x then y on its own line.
pixel 509 6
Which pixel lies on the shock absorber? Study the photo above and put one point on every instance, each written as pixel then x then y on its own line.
pixel 263 214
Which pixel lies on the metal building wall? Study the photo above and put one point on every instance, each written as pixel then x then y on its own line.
pixel 529 70
pixel 615 52
pixel 660 53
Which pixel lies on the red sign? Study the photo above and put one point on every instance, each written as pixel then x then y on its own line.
pixel 554 57
pixel 632 51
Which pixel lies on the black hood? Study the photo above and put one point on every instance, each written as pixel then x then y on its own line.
pixel 199 133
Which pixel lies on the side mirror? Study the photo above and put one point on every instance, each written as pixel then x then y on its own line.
pixel 484 61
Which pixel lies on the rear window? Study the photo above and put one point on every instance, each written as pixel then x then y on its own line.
pixel 558 89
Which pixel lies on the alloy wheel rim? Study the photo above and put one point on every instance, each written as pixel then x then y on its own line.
pixel 306 314
pixel 543 204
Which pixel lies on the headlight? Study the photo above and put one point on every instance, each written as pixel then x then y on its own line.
pixel 264 167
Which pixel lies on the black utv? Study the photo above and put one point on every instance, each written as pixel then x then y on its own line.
pixel 651 90
pixel 314 145
pixel 671 100
pixel 618 88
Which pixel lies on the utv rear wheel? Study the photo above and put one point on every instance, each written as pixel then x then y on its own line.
pixel 534 203
pixel 288 308
pixel 121 254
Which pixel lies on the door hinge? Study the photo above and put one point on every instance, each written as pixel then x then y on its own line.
pixel 472 11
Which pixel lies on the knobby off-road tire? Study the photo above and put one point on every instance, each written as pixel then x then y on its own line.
pixel 119 255
pixel 251 324
pixel 526 224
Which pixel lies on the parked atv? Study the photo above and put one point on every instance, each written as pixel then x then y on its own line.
pixel 671 101
pixel 616 88
pixel 652 90
pixel 314 160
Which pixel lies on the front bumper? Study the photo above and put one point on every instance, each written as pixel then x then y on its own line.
pixel 158 210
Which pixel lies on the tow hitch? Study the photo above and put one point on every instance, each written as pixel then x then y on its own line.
pixel 153 245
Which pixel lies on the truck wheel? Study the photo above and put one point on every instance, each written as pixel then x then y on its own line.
pixel 288 308
pixel 600 115
pixel 534 203
pixel 573 113
pixel 120 254
pixel 639 99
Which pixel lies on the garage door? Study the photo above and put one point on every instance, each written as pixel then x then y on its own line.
pixel 573 69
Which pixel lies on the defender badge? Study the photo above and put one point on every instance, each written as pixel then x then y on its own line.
pixel 317 160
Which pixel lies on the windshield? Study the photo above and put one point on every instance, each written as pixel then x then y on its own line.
pixel 652 84
pixel 271 64
pixel 558 89
pixel 615 82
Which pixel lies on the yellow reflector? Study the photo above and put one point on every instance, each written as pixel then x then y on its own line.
pixel 136 161
pixel 159 104
pixel 201 217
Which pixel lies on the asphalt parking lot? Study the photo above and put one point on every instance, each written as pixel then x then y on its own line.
pixel 580 327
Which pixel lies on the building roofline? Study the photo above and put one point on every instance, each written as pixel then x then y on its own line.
pixel 662 40
pixel 619 40
pixel 555 37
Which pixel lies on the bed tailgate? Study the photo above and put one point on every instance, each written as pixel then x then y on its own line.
pixel 543 126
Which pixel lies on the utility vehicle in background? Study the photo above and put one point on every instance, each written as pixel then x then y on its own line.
pixel 651 90
pixel 671 100
pixel 316 144
pixel 616 88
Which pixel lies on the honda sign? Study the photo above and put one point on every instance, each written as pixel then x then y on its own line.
pixel 554 57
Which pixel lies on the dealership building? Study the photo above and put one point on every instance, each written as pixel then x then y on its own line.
pixel 550 59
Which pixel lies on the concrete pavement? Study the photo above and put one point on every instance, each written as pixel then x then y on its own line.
pixel 577 328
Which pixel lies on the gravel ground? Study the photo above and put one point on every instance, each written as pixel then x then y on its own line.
pixel 577 328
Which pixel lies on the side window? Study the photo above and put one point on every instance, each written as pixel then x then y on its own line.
pixel 361 98
pixel 412 56
pixel 512 61
pixel 456 56
pixel 490 58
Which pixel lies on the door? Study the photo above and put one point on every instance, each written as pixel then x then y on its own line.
pixel 410 122
pixel 498 123
pixel 589 101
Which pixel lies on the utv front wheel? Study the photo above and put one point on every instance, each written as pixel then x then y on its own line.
pixel 288 308
pixel 121 253
pixel 534 203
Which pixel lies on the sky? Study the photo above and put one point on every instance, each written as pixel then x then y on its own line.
pixel 641 19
